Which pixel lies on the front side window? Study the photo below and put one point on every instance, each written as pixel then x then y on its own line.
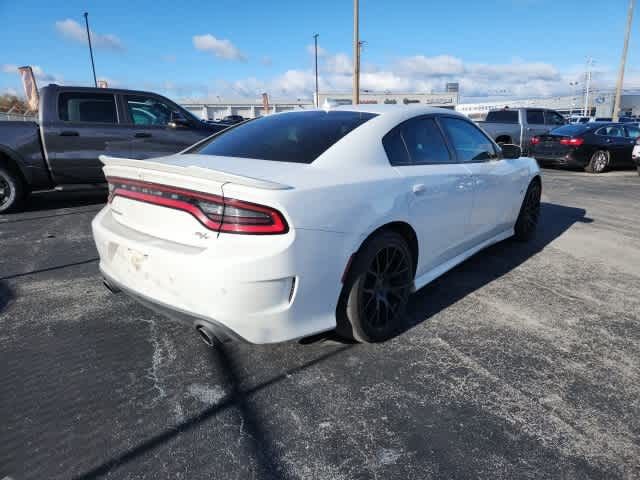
pixel 535 117
pixel 554 118
pixel 469 143
pixel 632 131
pixel 148 110
pixel 298 137
pixel 87 107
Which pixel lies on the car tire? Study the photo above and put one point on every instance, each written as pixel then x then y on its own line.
pixel 12 190
pixel 376 290
pixel 599 162
pixel 527 221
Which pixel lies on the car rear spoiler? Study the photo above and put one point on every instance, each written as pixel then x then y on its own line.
pixel 193 171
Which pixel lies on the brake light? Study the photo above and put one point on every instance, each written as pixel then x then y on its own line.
pixel 535 140
pixel 213 211
pixel 574 142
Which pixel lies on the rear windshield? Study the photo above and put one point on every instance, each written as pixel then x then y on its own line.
pixel 298 137
pixel 503 116
pixel 570 130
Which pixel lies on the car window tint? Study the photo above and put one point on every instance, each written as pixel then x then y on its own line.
pixel 424 141
pixel 298 137
pixel 470 144
pixel 148 110
pixel 632 131
pixel 395 148
pixel 535 117
pixel 611 131
pixel 502 116
pixel 87 107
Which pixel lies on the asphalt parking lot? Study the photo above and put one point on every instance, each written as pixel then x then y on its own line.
pixel 523 362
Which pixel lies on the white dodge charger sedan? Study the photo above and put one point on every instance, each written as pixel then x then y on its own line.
pixel 307 221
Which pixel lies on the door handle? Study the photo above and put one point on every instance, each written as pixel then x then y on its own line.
pixel 142 135
pixel 419 189
pixel 69 133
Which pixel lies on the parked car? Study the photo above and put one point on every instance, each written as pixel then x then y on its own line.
pixel 232 119
pixel 77 124
pixel 301 222
pixel 594 146
pixel 518 125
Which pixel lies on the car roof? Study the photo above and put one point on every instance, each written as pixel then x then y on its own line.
pixel 399 113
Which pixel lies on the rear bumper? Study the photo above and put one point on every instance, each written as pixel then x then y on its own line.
pixel 260 289
pixel 568 160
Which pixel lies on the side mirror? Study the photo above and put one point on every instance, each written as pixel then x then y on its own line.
pixel 178 120
pixel 511 151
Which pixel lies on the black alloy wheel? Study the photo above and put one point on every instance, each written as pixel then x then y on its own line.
pixel 527 222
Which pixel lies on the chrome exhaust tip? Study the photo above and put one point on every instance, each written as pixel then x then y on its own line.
pixel 207 336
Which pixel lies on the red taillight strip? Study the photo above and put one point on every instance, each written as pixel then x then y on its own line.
pixel 229 224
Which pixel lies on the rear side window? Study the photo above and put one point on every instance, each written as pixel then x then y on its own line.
pixel 611 131
pixel 421 140
pixel 535 117
pixel 470 144
pixel 87 107
pixel 502 116
pixel 298 137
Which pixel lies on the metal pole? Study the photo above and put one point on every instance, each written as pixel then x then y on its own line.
pixel 587 110
pixel 93 66
pixel 315 39
pixel 356 54
pixel 623 63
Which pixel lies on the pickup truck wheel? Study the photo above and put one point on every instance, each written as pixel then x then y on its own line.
pixel 11 190
pixel 599 162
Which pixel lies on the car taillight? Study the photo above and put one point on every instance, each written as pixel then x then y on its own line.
pixel 574 142
pixel 535 140
pixel 215 212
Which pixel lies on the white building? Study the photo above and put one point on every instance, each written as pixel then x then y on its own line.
pixel 248 109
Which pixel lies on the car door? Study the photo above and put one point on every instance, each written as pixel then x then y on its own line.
pixel 498 183
pixel 613 139
pixel 84 126
pixel 632 132
pixel 155 130
pixel 439 189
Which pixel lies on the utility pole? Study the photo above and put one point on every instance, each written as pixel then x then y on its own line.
pixel 315 40
pixel 356 54
pixel 93 66
pixel 587 82
pixel 623 63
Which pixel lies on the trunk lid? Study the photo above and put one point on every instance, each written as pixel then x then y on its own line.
pixel 132 181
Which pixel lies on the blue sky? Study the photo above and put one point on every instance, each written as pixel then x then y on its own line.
pixel 240 48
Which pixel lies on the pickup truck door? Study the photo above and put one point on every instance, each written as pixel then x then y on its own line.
pixel 533 125
pixel 83 126
pixel 154 132
pixel 497 183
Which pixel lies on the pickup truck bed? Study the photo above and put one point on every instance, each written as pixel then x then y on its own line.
pixel 78 124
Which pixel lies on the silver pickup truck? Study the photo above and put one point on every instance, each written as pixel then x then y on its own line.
pixel 518 125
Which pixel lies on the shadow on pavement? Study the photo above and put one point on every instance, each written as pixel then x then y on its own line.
pixel 6 295
pixel 236 397
pixel 54 200
pixel 490 264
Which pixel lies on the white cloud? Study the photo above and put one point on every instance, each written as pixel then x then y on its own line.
pixel 221 48
pixel 72 30
pixel 340 64
pixel 311 50
pixel 433 66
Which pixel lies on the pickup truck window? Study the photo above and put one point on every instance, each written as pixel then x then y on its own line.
pixel 502 116
pixel 470 144
pixel 87 107
pixel 535 117
pixel 554 118
pixel 148 110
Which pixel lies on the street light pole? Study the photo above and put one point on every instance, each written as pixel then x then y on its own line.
pixel 623 62
pixel 356 54
pixel 315 39
pixel 93 66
